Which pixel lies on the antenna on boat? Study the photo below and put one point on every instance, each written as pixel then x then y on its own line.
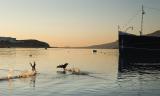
pixel 143 12
pixel 119 28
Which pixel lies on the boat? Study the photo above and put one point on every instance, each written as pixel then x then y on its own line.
pixel 133 45
pixel 139 48
pixel 94 51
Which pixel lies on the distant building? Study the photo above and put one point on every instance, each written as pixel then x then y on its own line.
pixel 7 39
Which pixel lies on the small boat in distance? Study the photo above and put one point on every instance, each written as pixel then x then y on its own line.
pixel 94 51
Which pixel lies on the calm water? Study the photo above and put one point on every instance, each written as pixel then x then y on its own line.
pixel 101 76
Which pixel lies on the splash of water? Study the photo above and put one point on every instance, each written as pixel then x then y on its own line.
pixel 27 73
pixel 10 73
pixel 76 71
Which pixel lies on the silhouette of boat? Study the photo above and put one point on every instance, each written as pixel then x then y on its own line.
pixel 133 45
pixel 139 50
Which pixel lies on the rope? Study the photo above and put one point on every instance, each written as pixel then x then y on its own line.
pixel 156 9
pixel 138 12
pixel 131 19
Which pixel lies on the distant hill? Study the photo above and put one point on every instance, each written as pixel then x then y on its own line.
pixel 114 45
pixel 9 42
pixel 156 33
pixel 31 44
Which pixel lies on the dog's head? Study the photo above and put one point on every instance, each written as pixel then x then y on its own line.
pixel 66 64
pixel 62 66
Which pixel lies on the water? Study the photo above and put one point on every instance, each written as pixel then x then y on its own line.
pixel 100 78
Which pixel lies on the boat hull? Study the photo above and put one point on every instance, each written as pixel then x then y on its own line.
pixel 132 45
pixel 138 50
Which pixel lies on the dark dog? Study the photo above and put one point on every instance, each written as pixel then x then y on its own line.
pixel 63 66
pixel 33 66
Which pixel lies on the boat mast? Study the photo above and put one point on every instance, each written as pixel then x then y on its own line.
pixel 143 12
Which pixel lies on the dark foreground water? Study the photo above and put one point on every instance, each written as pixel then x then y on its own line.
pixel 100 76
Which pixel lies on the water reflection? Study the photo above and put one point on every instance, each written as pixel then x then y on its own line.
pixel 138 63
pixel 95 71
pixel 61 72
pixel 139 76
pixel 7 52
pixel 99 74
pixel 33 81
pixel 138 68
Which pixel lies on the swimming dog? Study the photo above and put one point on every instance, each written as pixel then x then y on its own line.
pixel 63 66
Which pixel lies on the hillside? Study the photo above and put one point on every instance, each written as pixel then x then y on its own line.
pixel 156 33
pixel 31 44
pixel 114 45
pixel 9 42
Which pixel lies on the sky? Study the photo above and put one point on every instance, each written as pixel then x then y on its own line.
pixel 75 22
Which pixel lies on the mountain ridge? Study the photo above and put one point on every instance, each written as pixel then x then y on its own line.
pixel 9 42
pixel 114 45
